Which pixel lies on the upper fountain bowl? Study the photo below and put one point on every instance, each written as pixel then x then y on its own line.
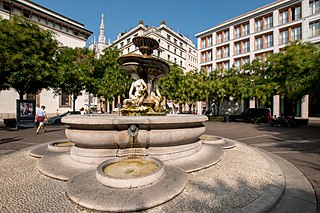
pixel 146 45
pixel 145 65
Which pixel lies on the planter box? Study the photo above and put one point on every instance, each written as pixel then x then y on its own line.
pixel 10 122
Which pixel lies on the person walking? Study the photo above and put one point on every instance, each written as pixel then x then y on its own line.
pixel 40 118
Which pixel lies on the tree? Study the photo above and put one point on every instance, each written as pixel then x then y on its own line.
pixel 261 86
pixel 109 78
pixel 26 56
pixel 295 70
pixel 75 66
pixel 169 85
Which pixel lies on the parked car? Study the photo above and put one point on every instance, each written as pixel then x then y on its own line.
pixel 57 119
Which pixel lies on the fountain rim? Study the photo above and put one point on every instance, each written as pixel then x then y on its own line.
pixel 103 119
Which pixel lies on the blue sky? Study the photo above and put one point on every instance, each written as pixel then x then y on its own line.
pixel 186 17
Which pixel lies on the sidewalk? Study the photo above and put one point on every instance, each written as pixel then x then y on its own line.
pixel 246 180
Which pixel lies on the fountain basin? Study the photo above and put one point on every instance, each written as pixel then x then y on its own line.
pixel 101 137
pixel 144 66
pixel 130 172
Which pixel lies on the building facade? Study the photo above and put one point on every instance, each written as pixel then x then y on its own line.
pixel 258 33
pixel 67 31
pixel 173 46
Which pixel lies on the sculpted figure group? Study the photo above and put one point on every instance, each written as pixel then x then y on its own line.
pixel 139 92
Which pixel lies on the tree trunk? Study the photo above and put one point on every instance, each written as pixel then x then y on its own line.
pixel 21 96
pixel 74 103
pixel 218 108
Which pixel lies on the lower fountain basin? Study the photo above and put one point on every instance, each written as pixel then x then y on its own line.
pixel 130 172
pixel 100 137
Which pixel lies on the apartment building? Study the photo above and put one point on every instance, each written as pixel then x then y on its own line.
pixel 67 31
pixel 173 46
pixel 258 33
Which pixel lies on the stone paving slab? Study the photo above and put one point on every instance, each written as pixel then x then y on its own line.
pixel 236 181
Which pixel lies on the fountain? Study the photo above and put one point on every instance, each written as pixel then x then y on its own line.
pixel 142 152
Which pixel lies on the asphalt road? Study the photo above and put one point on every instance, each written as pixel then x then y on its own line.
pixel 298 145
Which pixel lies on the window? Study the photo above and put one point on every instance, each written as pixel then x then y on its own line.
pixel 65 100
pixel 314 28
pixel 296 13
pixel 128 40
pixel 246 29
pixel 284 37
pixel 268 22
pixel 203 43
pixel 226 52
pixel 226 35
pixel 284 18
pixel 259 43
pixel 237 64
pixel 314 7
pixel 238 32
pixel 203 57
pixel 6 7
pixel 258 25
pixel 226 65
pixel 209 55
pixel 269 40
pixel 168 47
pixel 168 36
pixel 26 14
pixel 246 60
pixel 168 57
pixel 246 46
pixel 238 48
pixel 209 41
pixel 175 41
pixel 219 37
pixel 296 33
pixel 31 96
pixel 219 53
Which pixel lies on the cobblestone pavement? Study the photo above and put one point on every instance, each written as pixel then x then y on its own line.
pixel 298 145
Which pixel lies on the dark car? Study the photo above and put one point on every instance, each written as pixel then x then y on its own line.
pixel 57 119
pixel 255 114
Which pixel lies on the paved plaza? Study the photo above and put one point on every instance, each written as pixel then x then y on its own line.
pixel 278 170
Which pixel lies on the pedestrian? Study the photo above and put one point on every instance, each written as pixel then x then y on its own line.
pixel 82 111
pixel 40 118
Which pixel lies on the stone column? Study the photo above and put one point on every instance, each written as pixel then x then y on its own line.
pixel 305 107
pixel 276 105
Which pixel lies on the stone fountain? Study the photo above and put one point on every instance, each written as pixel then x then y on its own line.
pixel 135 155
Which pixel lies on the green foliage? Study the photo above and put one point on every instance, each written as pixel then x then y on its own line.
pixel 109 78
pixel 295 70
pixel 26 56
pixel 75 68
pixel 163 22
pixel 169 86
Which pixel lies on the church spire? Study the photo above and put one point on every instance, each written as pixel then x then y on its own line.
pixel 102 38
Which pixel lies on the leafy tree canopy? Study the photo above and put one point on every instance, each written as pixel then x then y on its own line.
pixel 110 79
pixel 75 67
pixel 295 70
pixel 26 56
